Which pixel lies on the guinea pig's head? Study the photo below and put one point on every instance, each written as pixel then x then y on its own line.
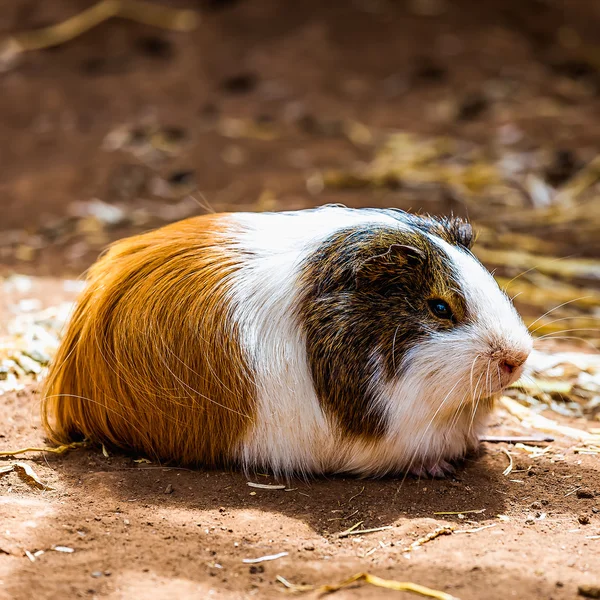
pixel 443 322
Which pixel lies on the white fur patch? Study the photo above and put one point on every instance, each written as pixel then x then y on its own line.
pixel 291 431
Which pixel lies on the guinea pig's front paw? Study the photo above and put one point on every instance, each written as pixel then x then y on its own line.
pixel 438 470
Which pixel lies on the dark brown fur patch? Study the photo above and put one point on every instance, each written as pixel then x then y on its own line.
pixel 365 304
pixel 151 360
pixel 454 230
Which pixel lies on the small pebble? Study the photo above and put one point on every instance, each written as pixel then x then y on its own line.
pixel 576 69
pixel 472 107
pixel 174 134
pixel 536 505
pixel 585 493
pixel 96 574
pixel 169 489
pixel 155 47
pixel 186 178
pixel 589 591
pixel 242 83
pixel 584 519
pixel 430 71
pixel 565 164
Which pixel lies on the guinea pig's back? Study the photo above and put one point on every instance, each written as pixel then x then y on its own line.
pixel 151 359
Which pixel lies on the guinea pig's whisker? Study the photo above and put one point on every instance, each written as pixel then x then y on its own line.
pixel 553 334
pixel 571 337
pixel 457 412
pixel 472 391
pixel 556 308
pixel 534 268
pixel 424 434
pixel 488 379
pixel 533 382
pixel 476 404
pixel 505 287
pixel 472 371
pixel 555 320
pixel 473 413
pixel 499 375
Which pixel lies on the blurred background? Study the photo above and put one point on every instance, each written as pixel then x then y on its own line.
pixel 486 109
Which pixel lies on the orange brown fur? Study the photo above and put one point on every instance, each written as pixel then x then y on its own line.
pixel 150 361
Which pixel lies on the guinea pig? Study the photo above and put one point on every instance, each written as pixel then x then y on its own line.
pixel 318 341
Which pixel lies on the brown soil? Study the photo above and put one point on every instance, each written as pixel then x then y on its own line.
pixel 141 530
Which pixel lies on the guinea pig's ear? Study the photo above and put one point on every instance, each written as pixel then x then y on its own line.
pixel 382 266
pixel 460 232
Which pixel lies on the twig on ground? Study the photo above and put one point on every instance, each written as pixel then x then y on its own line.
pixel 513 439
pixel 444 530
pixel 253 561
pixel 58 450
pixel 399 586
pixel 476 511
pixel 27 473
pixel 508 469
pixel 348 533
pixel 356 495
pixel 265 486
pixel 476 529
pixel 134 10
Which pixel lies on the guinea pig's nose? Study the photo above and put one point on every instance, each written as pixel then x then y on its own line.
pixel 511 363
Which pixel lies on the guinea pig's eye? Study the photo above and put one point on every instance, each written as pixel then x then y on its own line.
pixel 440 308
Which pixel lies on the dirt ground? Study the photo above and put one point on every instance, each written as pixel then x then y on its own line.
pixel 247 108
